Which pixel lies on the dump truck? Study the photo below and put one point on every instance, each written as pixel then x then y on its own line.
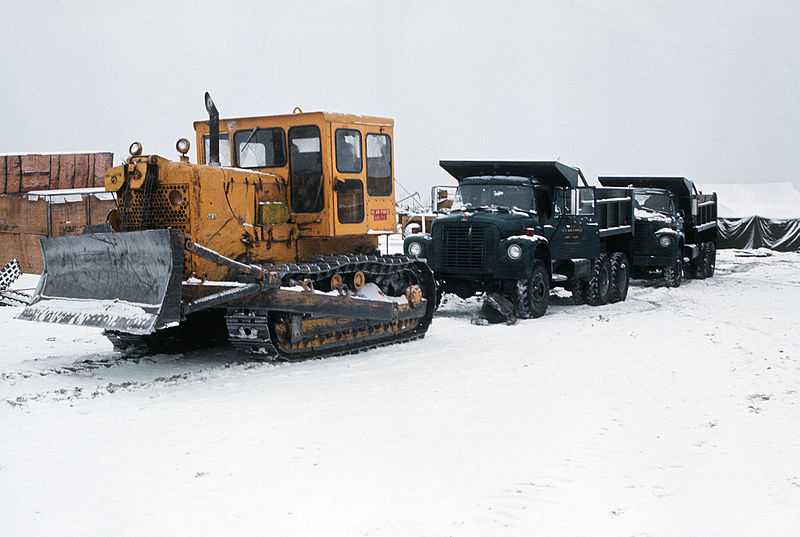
pixel 676 228
pixel 269 242
pixel 519 228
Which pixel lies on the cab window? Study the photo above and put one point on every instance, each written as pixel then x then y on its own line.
pixel 305 169
pixel 576 201
pixel 260 148
pixel 350 201
pixel 348 151
pixel 585 201
pixel 379 165
pixel 224 149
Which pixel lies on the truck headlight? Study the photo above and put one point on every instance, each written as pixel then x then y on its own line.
pixel 665 241
pixel 414 248
pixel 514 251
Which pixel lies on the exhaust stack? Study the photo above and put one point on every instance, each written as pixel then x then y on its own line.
pixel 213 132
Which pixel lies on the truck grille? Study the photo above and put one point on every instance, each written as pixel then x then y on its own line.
pixel 156 211
pixel 643 234
pixel 464 248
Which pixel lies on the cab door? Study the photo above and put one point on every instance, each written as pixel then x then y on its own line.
pixel 349 214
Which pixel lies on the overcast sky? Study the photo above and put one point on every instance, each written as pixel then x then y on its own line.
pixel 625 87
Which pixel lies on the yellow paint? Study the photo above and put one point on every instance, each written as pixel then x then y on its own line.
pixel 247 214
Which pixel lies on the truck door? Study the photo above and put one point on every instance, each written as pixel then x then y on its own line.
pixel 574 232
pixel 348 180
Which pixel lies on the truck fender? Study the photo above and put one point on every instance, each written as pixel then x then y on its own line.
pixel 535 247
pixel 676 238
pixel 424 240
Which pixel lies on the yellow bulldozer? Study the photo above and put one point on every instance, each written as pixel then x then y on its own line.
pixel 269 242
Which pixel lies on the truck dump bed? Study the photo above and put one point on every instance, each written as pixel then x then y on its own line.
pixel 546 172
pixel 614 211
pixel 703 216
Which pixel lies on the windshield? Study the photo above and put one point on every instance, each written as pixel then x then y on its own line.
pixel 507 196
pixel 659 203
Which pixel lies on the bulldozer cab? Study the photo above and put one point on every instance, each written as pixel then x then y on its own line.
pixel 338 167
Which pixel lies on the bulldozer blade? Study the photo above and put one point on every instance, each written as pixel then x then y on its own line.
pixel 127 282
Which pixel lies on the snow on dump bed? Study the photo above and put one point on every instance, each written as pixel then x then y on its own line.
pixel 671 414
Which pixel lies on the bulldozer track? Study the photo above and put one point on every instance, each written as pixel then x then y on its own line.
pixel 266 334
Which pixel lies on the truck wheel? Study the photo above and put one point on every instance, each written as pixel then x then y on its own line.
pixel 700 264
pixel 533 294
pixel 620 277
pixel 689 270
pixel 672 274
pixel 599 282
pixel 710 258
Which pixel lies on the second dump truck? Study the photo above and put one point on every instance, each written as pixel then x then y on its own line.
pixel 519 228
pixel 676 228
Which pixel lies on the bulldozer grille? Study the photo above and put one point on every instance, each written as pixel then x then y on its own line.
pixel 464 248
pixel 156 210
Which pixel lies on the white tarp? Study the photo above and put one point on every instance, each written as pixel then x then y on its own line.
pixel 769 200
pixel 757 215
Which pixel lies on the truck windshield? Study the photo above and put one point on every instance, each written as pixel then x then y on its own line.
pixel 506 196
pixel 659 203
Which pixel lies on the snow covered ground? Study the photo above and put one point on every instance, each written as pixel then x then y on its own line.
pixel 674 413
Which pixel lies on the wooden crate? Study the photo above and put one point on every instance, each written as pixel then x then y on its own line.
pixel 23 173
pixel 21 215
pixel 25 248
pixel 23 221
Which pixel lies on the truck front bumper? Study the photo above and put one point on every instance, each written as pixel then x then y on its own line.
pixel 653 260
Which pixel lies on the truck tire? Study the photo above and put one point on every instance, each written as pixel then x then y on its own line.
pixel 696 268
pixel 533 294
pixel 709 258
pixel 672 274
pixel 620 277
pixel 700 264
pixel 599 288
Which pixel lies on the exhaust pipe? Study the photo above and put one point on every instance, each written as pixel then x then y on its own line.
pixel 213 132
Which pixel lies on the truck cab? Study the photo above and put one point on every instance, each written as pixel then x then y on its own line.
pixel 520 228
pixel 659 239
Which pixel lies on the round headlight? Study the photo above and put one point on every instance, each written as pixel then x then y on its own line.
pixel 182 146
pixel 514 251
pixel 414 248
pixel 665 241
